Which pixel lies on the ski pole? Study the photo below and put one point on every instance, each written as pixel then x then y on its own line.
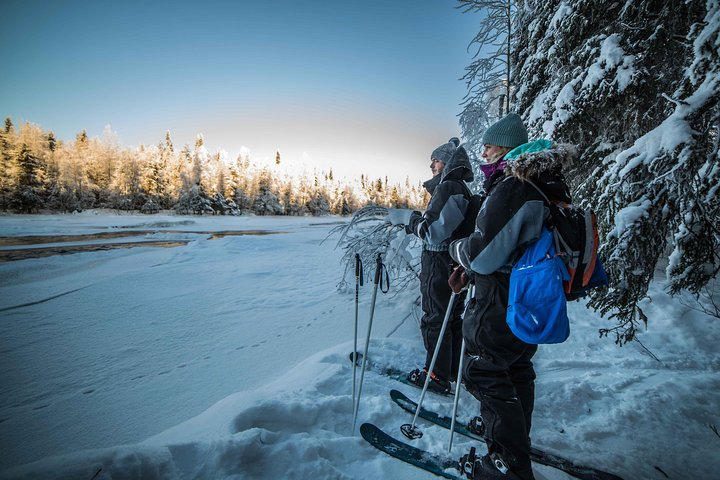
pixel 457 394
pixel 378 271
pixel 358 282
pixel 409 430
pixel 471 295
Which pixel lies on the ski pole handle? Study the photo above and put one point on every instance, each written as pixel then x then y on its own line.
pixel 378 268
pixel 384 282
pixel 358 269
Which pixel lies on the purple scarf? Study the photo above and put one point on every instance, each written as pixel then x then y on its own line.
pixel 489 168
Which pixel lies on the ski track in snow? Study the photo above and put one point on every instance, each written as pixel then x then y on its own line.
pixel 37 302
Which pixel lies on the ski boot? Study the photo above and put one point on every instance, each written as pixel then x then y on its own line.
pixel 436 384
pixel 477 426
pixel 488 467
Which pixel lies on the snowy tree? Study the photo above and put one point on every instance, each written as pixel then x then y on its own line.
pixel 179 173
pixel 223 206
pixel 289 199
pixel 319 204
pixel 174 166
pixel 375 192
pixel 152 178
pixel 266 201
pixel 488 77
pixel 28 182
pixel 194 199
pixel 636 85
pixel 7 147
pixel 78 184
pixel 239 184
pixel 52 187
pixel 127 183
pixel 193 195
pixel 99 162
pixel 199 162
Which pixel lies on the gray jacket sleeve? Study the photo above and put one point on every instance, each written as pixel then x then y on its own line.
pixel 443 216
pixel 510 218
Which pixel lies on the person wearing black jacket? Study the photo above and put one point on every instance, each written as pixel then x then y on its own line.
pixel 498 369
pixel 442 222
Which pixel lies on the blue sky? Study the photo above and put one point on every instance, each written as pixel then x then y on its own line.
pixel 370 86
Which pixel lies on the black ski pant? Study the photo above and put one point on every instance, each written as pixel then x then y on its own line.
pixel 499 373
pixel 435 271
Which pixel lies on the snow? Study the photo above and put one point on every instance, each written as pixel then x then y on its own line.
pixel 612 56
pixel 563 10
pixel 564 107
pixel 538 107
pixel 627 216
pixel 227 358
pixel 673 132
pixel 707 39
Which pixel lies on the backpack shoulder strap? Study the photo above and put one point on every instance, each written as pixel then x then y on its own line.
pixel 556 236
pixel 539 191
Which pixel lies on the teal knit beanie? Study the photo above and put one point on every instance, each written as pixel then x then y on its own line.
pixel 506 132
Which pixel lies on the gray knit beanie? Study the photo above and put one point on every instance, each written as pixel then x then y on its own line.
pixel 506 132
pixel 445 151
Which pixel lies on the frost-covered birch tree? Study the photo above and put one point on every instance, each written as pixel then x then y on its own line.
pixel 636 85
pixel 488 75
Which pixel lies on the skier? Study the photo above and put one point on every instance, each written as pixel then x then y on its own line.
pixel 498 369
pixel 442 222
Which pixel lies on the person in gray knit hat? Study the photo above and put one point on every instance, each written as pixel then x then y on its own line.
pixel 444 220
pixel 502 136
pixel 444 152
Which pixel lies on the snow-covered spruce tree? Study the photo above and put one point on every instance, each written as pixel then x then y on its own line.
pixel 7 147
pixel 222 206
pixel 488 75
pixel 52 187
pixel 266 201
pixel 318 204
pixel 27 193
pixel 636 85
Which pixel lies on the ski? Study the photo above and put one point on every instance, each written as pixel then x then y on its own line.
pixel 441 466
pixel 393 373
pixel 536 455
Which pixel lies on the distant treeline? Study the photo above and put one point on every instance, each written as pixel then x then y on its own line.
pixel 41 173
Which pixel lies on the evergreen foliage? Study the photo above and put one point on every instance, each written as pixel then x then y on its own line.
pixel 28 181
pixel 636 85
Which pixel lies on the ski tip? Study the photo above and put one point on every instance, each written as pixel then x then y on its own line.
pixel 395 394
pixel 368 430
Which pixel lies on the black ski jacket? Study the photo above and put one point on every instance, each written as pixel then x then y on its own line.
pixel 513 214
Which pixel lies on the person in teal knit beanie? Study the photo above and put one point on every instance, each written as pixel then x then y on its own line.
pixel 502 136
pixel 498 368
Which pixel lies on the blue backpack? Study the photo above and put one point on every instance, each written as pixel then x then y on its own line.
pixel 561 265
pixel 537 307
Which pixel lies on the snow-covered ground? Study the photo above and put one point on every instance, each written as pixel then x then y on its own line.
pixel 227 358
